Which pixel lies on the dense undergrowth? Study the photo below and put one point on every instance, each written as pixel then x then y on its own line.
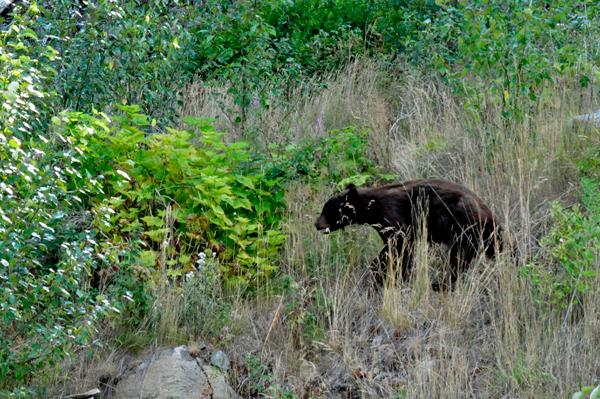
pixel 127 220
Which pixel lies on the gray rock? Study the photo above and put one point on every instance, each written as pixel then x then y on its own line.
pixel 591 119
pixel 377 341
pixel 5 4
pixel 86 395
pixel 174 374
pixel 220 360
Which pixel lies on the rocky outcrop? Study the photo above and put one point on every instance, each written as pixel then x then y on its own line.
pixel 5 7
pixel 174 374
pixel 586 119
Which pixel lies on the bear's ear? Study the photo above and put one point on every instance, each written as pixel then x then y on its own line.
pixel 352 192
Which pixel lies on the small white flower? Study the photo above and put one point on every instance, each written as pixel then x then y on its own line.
pixel 202 255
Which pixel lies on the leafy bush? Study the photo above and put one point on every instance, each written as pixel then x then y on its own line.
pixel 114 50
pixel 180 199
pixel 238 44
pixel 340 158
pixel 46 246
pixel 145 52
pixel 572 248
pixel 511 50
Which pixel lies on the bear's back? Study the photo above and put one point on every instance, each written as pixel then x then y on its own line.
pixel 450 206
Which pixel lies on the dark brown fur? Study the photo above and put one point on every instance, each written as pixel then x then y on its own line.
pixel 455 216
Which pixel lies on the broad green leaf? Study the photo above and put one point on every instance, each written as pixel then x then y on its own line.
pixel 158 235
pixel 153 221
pixel 148 258
pixel 246 181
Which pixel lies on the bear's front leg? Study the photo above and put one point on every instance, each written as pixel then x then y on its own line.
pixel 379 266
pixel 393 254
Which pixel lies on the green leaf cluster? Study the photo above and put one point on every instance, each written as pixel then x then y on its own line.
pixel 182 192
pixel 340 158
pixel 505 53
pixel 494 53
pixel 46 248
pixel 115 50
pixel 564 270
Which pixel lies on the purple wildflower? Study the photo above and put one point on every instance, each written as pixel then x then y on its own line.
pixel 319 125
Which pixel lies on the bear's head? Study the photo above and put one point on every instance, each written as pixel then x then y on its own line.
pixel 340 211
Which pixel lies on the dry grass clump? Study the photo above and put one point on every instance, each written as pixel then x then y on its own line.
pixel 488 338
pixel 353 97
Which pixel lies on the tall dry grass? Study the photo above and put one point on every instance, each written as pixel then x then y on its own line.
pixel 489 338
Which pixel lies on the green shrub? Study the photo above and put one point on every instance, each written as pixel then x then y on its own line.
pixel 509 50
pixel 112 50
pixel 180 199
pixel 567 264
pixel 47 311
pixel 340 158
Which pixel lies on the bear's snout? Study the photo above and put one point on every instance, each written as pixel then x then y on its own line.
pixel 321 224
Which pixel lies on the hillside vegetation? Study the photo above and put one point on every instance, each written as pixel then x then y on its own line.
pixel 163 162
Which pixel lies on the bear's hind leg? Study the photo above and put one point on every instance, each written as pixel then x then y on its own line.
pixel 460 259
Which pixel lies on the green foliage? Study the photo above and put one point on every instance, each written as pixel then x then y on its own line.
pixel 564 270
pixel 342 157
pixel 113 50
pixel 266 51
pixel 235 47
pixel 179 198
pixel 594 393
pixel 589 164
pixel 496 54
pixel 259 375
pixel 572 248
pixel 47 312
pixel 499 54
pixel 260 381
pixel 26 66
pixel 119 276
pixel 510 50
pixel 320 35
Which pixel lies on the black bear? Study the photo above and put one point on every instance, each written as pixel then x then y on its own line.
pixel 454 215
